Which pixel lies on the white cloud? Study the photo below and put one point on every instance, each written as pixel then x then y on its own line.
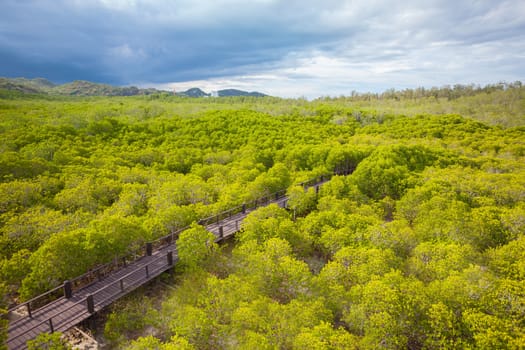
pixel 125 52
pixel 122 51
pixel 121 5
pixel 318 73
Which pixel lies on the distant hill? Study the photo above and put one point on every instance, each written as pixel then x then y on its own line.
pixel 235 92
pixel 86 88
pixel 193 92
pixel 28 86
pixel 75 88
pixel 196 92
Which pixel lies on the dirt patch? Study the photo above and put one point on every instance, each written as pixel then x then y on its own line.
pixel 80 339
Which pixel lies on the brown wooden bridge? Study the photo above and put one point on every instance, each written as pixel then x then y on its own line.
pixel 76 300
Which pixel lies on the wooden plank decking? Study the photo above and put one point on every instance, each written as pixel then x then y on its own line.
pixel 65 313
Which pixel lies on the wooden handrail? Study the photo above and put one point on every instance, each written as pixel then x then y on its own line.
pixel 28 303
pixel 126 276
pixel 47 319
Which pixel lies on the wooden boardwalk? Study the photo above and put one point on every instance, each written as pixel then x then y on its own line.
pixel 113 281
pixel 64 313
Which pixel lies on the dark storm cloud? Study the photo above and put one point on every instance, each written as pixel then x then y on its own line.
pixel 134 44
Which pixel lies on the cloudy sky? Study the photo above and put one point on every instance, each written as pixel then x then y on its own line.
pixel 286 48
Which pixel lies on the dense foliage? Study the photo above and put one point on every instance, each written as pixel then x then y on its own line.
pixel 421 247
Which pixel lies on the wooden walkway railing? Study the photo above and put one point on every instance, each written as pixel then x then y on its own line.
pixel 65 306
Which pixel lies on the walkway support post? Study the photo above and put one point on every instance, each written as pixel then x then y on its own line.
pixel 170 262
pixel 149 249
pixel 68 291
pixel 221 232
pixel 90 304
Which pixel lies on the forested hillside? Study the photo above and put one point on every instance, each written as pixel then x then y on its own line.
pixel 421 247
pixel 75 88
